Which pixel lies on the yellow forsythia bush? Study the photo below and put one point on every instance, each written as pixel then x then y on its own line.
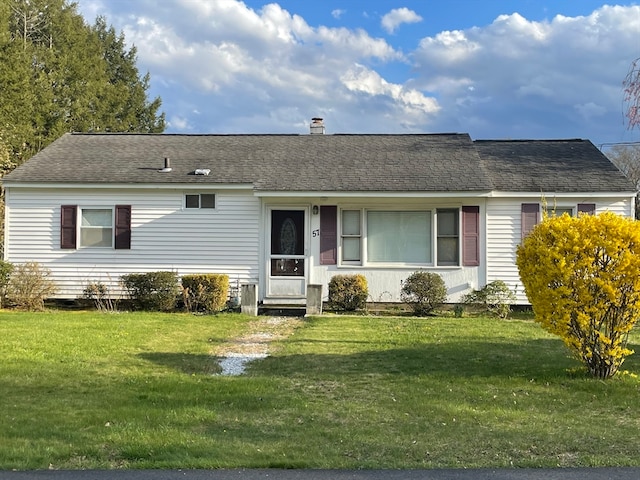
pixel 582 277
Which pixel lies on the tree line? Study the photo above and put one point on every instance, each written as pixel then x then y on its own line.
pixel 59 74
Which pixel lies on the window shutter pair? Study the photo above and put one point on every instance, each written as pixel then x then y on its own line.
pixel 470 235
pixel 69 224
pixel 531 215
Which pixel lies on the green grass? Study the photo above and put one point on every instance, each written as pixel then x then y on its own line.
pixel 90 390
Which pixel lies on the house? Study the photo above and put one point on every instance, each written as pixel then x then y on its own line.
pixel 286 211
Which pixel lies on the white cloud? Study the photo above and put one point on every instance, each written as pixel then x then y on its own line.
pixel 338 12
pixel 268 70
pixel 362 80
pixel 532 78
pixel 396 17
pixel 179 123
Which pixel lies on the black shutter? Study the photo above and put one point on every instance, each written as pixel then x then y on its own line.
pixel 328 235
pixel 68 222
pixel 530 217
pixel 123 227
pixel 470 236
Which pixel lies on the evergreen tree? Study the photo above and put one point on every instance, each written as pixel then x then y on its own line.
pixel 58 75
pixel 124 100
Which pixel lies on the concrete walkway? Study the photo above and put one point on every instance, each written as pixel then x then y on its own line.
pixel 274 474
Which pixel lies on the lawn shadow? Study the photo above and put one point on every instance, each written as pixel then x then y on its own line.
pixel 539 358
pixel 481 358
pixel 188 363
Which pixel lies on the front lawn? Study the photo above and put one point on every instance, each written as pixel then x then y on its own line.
pixel 140 390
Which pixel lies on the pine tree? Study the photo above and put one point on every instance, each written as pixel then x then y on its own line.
pixel 125 105
pixel 58 75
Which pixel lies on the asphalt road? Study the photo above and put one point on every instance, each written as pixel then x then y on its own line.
pixel 274 474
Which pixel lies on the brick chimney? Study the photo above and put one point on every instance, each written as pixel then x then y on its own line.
pixel 317 126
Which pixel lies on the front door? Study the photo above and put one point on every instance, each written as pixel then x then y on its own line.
pixel 287 265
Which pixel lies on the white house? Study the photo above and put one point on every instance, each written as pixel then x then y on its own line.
pixel 286 211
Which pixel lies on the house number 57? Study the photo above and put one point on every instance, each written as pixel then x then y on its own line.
pixel 316 233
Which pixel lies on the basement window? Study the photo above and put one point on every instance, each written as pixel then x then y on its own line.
pixel 200 200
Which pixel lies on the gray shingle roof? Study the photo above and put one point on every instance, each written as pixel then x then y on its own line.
pixel 550 166
pixel 332 163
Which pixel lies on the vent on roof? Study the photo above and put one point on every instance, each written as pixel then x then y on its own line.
pixel 167 166
pixel 317 126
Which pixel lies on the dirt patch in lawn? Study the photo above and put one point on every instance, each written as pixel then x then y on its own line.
pixel 234 355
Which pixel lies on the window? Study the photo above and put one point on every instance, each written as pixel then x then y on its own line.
pixel 559 211
pixel 448 236
pixel 100 227
pixel 351 236
pixel 96 227
pixel 408 237
pixel 530 214
pixel 200 200
pixel 399 237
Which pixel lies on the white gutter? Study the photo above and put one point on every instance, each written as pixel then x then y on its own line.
pixel 132 186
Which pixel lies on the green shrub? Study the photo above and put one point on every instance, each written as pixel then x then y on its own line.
pixel 29 286
pixel 153 291
pixel 5 275
pixel 348 292
pixel 424 292
pixel 495 298
pixel 205 292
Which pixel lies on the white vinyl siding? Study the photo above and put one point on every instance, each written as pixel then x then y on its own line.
pixel 504 235
pixel 164 236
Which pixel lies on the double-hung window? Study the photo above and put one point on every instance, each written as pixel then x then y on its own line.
pixel 351 236
pixel 96 227
pixel 448 237
pixel 559 211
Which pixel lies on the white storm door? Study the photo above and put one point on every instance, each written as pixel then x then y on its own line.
pixel 287 265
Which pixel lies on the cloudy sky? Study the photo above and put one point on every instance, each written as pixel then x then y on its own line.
pixel 491 68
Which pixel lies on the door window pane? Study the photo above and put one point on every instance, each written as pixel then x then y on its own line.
pixel 287 232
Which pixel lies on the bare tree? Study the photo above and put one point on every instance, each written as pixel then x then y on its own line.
pixel 631 89
pixel 627 158
pixel 31 22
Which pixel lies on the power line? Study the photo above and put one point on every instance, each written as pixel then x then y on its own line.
pixel 615 144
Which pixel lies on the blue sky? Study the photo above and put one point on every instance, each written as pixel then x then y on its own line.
pixel 490 68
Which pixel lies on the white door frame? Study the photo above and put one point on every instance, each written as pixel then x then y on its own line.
pixel 287 287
